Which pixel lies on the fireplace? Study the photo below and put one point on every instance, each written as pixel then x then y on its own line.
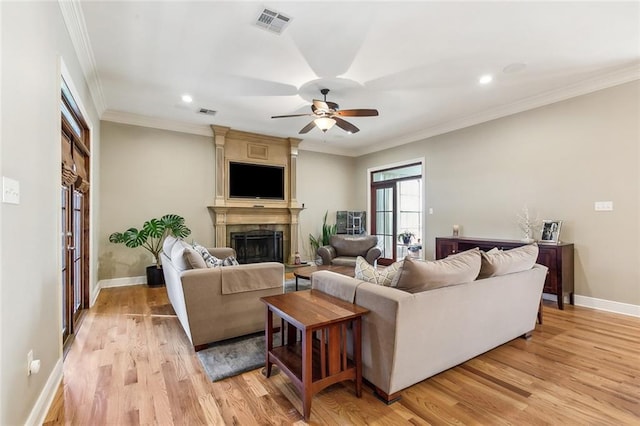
pixel 259 245
pixel 235 214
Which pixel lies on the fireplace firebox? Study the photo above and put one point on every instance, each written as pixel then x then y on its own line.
pixel 256 246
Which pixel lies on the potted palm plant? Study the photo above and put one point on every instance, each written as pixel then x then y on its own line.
pixel 150 237
pixel 323 239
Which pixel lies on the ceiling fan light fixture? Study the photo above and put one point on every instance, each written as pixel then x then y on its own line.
pixel 324 123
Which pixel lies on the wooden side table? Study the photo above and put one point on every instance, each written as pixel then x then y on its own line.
pixel 320 359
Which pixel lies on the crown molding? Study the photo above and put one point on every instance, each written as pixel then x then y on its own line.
pixel 326 149
pixel 157 123
pixel 599 82
pixel 77 28
pixel 602 81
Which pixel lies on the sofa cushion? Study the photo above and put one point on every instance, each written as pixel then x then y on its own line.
pixel 168 244
pixel 178 257
pixel 387 277
pixel 419 275
pixel 497 262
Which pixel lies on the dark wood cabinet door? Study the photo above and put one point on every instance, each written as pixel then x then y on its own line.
pixel 549 259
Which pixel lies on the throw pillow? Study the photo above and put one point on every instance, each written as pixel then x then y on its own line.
pixel 194 258
pixel 367 272
pixel 419 275
pixel 497 262
pixel 209 259
pixel 230 261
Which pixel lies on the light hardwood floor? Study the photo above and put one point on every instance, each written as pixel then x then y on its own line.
pixel 132 364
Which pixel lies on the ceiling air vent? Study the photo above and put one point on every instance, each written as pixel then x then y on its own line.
pixel 273 21
pixel 207 111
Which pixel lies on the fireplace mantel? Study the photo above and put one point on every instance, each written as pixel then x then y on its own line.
pixel 235 145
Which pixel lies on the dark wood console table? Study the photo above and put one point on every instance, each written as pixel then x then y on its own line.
pixel 557 257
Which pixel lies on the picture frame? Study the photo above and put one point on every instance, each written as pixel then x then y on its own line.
pixel 550 231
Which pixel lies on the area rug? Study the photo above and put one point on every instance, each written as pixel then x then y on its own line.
pixel 235 356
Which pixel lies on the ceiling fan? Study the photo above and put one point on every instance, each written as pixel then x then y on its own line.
pixel 327 114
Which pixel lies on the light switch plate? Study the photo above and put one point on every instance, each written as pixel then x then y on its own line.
pixel 603 206
pixel 10 191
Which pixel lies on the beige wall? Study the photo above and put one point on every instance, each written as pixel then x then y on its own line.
pixel 147 173
pixel 184 184
pixel 34 39
pixel 558 160
pixel 325 183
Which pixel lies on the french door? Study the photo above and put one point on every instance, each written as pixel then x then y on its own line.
pixel 396 207
pixel 383 201
pixel 74 216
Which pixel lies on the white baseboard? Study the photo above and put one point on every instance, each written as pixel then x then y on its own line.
pixel 121 282
pixel 95 295
pixel 607 305
pixel 43 403
pixel 599 304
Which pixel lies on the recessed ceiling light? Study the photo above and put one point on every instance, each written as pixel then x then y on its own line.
pixel 187 98
pixel 485 79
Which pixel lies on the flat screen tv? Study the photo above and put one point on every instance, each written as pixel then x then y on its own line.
pixel 256 181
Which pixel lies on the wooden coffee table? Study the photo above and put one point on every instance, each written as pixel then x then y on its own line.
pixel 314 363
pixel 305 272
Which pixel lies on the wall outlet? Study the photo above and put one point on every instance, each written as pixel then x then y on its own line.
pixel 603 206
pixel 10 191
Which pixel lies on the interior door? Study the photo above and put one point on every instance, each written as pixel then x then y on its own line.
pixel 74 216
pixel 383 208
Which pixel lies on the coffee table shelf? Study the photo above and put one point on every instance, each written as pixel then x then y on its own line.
pixel 290 358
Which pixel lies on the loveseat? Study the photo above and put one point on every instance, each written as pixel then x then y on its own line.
pixel 221 302
pixel 432 325
pixel 343 249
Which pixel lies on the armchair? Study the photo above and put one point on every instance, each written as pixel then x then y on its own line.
pixel 343 249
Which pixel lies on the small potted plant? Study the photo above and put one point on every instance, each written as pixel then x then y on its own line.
pixel 406 237
pixel 150 237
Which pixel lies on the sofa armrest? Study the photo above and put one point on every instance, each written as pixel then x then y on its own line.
pixel 337 285
pixel 252 277
pixel 221 252
pixel 327 253
pixel 373 254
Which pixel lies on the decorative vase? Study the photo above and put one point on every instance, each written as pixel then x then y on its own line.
pixel 155 276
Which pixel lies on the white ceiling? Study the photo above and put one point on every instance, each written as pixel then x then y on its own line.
pixel 418 63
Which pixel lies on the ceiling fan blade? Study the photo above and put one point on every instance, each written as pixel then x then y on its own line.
pixel 358 112
pixel 334 106
pixel 321 105
pixel 345 125
pixel 308 127
pixel 290 115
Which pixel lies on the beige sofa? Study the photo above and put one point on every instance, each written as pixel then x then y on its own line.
pixel 217 303
pixel 408 337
